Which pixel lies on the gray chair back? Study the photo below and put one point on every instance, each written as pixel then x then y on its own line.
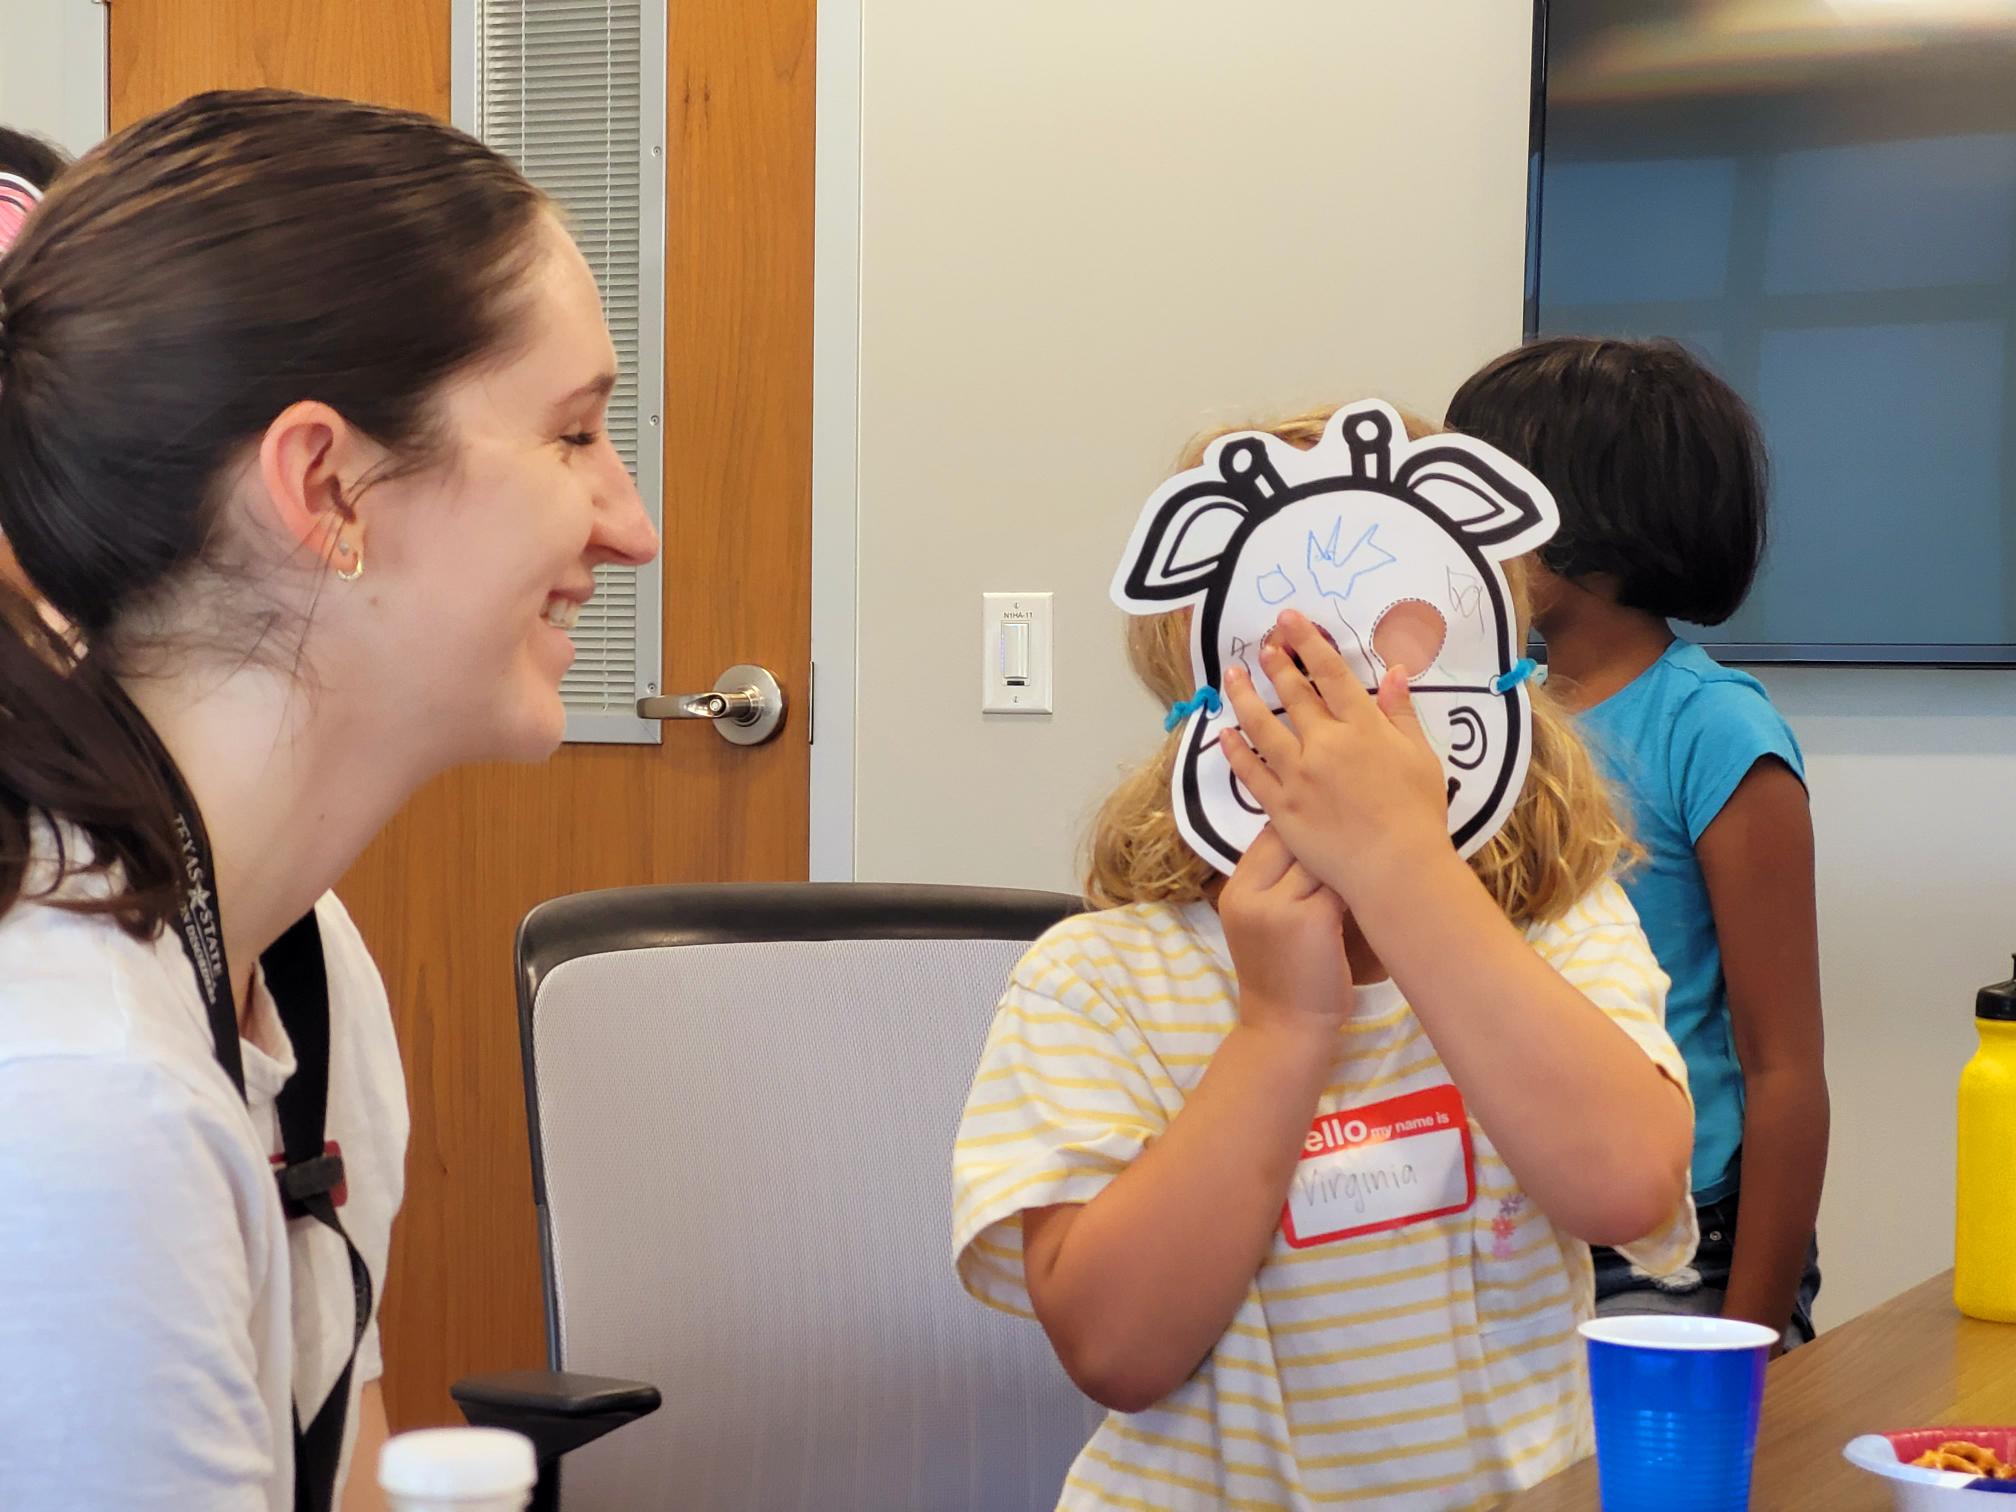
pixel 743 1102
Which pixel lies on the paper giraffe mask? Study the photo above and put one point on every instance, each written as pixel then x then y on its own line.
pixel 1392 548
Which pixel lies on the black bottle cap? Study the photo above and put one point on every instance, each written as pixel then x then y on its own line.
pixel 1997 1002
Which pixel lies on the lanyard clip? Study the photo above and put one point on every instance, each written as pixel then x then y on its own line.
pixel 305 1181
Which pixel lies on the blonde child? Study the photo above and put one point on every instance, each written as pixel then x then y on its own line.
pixel 1157 1070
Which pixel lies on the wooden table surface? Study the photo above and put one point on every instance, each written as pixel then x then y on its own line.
pixel 1914 1362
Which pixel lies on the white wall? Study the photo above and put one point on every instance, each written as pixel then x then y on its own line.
pixel 1087 231
pixel 52 70
pixel 1913 775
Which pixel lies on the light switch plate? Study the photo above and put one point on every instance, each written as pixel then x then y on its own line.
pixel 999 694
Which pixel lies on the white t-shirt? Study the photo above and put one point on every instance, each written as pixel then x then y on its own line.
pixel 157 1311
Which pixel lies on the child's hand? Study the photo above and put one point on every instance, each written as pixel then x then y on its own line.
pixel 1354 787
pixel 1286 933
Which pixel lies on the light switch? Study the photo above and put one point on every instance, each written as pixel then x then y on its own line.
pixel 1015 653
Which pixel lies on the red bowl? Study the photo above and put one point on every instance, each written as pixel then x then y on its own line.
pixel 1915 1441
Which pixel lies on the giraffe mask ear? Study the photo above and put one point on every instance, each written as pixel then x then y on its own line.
pixel 1179 549
pixel 1485 496
pixel 1185 538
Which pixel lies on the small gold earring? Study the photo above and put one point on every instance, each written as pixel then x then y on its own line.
pixel 355 570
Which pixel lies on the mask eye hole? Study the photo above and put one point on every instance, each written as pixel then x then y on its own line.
pixel 1409 636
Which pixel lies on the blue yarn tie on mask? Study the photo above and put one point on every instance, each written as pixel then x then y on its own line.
pixel 1203 698
pixel 1522 669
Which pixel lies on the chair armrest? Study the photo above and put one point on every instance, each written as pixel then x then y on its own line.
pixel 557 1409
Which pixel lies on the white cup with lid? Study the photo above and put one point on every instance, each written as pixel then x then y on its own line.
pixel 458 1470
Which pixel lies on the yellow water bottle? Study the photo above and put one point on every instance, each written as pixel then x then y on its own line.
pixel 1984 1251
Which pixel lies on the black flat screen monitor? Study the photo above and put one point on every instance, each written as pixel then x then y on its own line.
pixel 1819 198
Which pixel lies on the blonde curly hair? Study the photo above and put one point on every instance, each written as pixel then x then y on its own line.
pixel 1562 838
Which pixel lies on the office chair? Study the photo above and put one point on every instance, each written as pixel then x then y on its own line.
pixel 742 1103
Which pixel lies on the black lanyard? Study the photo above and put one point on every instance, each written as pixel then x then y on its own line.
pixel 312 1170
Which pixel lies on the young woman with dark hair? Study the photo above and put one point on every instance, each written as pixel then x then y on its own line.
pixel 301 414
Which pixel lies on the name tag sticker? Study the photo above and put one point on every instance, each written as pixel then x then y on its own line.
pixel 1379 1167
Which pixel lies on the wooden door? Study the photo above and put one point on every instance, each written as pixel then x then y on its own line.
pixel 441 893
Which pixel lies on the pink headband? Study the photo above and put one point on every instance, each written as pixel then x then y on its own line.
pixel 17 198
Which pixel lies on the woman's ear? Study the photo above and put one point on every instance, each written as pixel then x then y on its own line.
pixel 310 460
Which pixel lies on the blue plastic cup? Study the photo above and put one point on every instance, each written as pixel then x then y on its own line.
pixel 1676 1401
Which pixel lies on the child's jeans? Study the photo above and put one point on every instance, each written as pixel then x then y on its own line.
pixel 1700 1288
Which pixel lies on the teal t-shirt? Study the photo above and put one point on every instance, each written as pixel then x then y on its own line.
pixel 1677 740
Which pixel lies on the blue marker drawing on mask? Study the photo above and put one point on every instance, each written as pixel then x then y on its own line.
pixel 1367 555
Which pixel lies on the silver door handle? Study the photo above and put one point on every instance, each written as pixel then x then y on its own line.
pixel 745 705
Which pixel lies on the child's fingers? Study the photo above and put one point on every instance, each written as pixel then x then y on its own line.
pixel 1265 733
pixel 1342 692
pixel 1298 884
pixel 1396 702
pixel 1300 701
pixel 1266 861
pixel 1251 771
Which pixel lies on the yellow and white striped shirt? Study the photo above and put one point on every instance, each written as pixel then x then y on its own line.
pixel 1434 1365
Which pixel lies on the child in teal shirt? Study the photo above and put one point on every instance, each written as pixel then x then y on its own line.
pixel 1659 472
